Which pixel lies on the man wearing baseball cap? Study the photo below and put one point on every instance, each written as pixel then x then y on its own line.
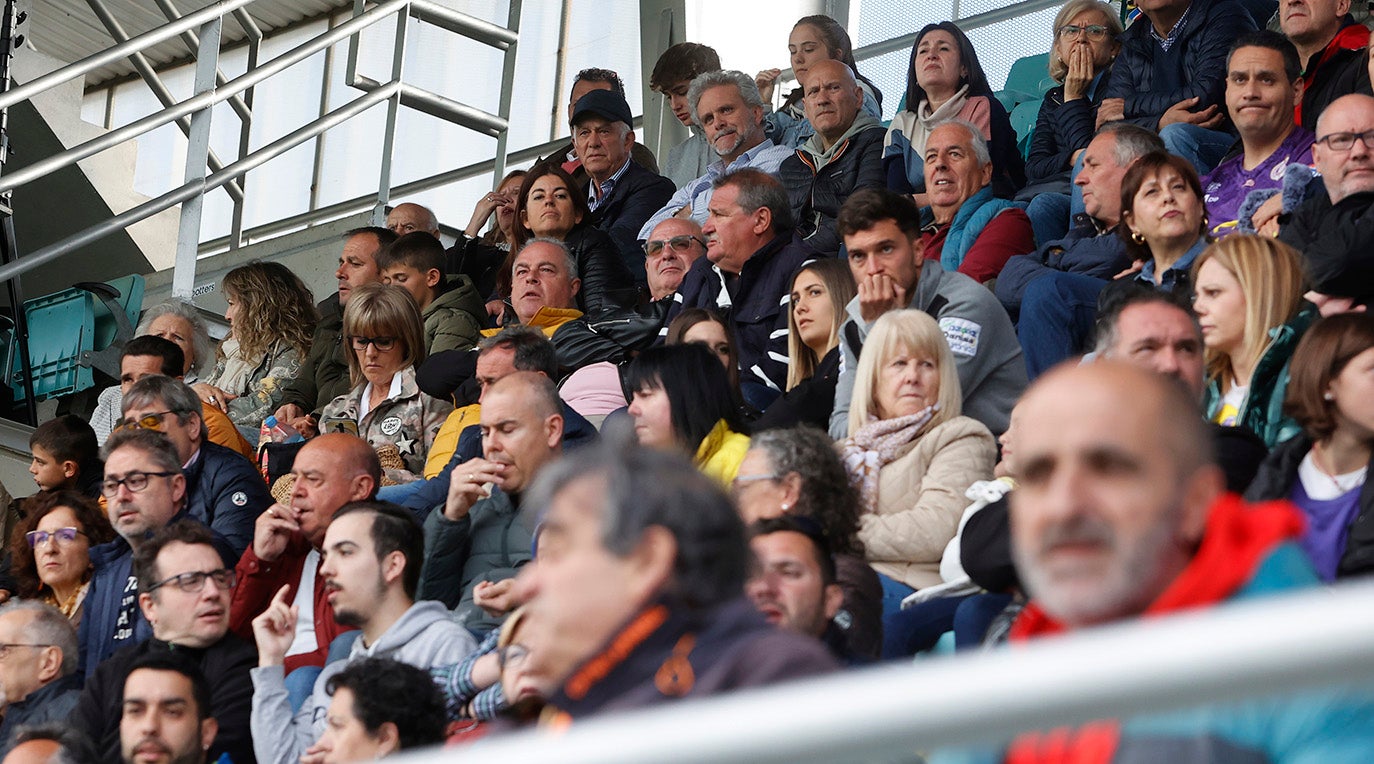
pixel 621 194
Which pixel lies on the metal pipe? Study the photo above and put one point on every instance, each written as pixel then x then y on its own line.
pixel 447 109
pixel 559 65
pixel 123 50
pixel 393 108
pixel 326 82
pixel 1241 650
pixel 195 103
pixel 197 151
pixel 461 23
pixel 192 45
pixel 188 190
pixel 507 86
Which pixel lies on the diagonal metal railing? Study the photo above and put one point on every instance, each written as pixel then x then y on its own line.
pixel 203 172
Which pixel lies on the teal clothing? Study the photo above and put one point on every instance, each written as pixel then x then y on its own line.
pixel 1262 409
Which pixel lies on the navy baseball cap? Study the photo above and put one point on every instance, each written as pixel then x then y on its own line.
pixel 607 104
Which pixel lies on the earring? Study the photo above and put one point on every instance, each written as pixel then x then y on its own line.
pixel 1137 238
pixel 1328 397
pixel 785 506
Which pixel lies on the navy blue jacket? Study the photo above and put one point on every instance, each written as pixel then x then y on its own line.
pixel 633 200
pixel 757 309
pixel 577 431
pixel 816 197
pixel 225 492
pixel 1151 79
pixel 1062 128
pixel 1083 250
pixel 113 561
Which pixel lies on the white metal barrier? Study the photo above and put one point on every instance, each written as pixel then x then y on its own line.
pixel 1311 639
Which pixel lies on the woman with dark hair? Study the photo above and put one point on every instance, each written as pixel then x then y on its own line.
pixel 681 400
pixel 813 38
pixel 820 291
pixel 50 552
pixel 797 472
pixel 944 81
pixel 706 327
pixel 271 315
pixel 1324 470
pixel 1163 219
pixel 1249 304
pixel 382 327
pixel 479 255
pixel 551 205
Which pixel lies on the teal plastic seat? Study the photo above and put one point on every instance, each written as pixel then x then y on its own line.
pixel 74 332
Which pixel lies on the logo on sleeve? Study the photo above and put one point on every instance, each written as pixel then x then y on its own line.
pixel 239 498
pixel 962 335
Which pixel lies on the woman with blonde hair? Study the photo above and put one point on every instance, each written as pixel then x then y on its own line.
pixel 1248 298
pixel 382 327
pixel 910 451
pixel 820 291
pixel 271 318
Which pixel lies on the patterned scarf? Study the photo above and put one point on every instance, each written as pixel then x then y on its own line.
pixel 875 445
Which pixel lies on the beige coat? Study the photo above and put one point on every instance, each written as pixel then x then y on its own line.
pixel 920 499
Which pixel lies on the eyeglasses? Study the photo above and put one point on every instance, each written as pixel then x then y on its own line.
pixel 382 344
pixel 63 536
pixel 677 243
pixel 740 481
pixel 1346 141
pixel 151 421
pixel 191 583
pixel 511 655
pixel 134 481
pixel 6 647
pixel 1094 31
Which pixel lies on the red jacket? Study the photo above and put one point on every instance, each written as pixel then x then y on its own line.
pixel 259 582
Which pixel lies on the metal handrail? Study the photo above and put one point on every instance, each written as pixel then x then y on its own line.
pixel 1229 653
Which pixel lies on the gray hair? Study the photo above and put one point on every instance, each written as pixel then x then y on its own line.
pixel 827 495
pixel 703 82
pixel 201 345
pixel 1132 142
pixel 47 627
pixel 562 247
pixel 72 745
pixel 153 444
pixel 645 488
pixel 759 189
pixel 176 395
pixel 976 139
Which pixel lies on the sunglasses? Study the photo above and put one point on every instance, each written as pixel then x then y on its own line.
pixel 151 421
pixel 677 243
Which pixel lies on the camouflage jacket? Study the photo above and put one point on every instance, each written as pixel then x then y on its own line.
pixel 407 422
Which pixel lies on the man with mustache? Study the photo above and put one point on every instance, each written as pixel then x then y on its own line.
pixel 373 553
pixel 479 534
pixel 1112 523
pixel 166 714
pixel 844 155
pixel 184 592
pixel 728 107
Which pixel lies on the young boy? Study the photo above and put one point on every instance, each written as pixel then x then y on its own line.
pixel 452 312
pixel 65 456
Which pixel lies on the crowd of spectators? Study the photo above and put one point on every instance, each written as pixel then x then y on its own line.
pixel 816 395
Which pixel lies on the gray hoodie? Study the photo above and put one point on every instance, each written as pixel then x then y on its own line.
pixel 425 636
pixel 992 373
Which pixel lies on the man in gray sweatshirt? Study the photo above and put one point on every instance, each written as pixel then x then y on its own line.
pixel 373 555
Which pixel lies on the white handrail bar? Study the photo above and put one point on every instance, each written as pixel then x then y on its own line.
pixel 187 190
pixel 195 103
pixel 123 50
pixel 1312 639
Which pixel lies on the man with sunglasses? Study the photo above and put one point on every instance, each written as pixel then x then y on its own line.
pixel 669 252
pixel 145 491
pixel 184 590
pixel 223 489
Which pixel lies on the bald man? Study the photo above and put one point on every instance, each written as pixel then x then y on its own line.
pixel 845 154
pixel 1119 513
pixel 409 217
pixel 479 533
pixel 1346 164
pixel 330 471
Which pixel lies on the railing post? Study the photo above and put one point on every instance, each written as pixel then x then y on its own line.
pixel 197 152
pixel 393 105
pixel 507 86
